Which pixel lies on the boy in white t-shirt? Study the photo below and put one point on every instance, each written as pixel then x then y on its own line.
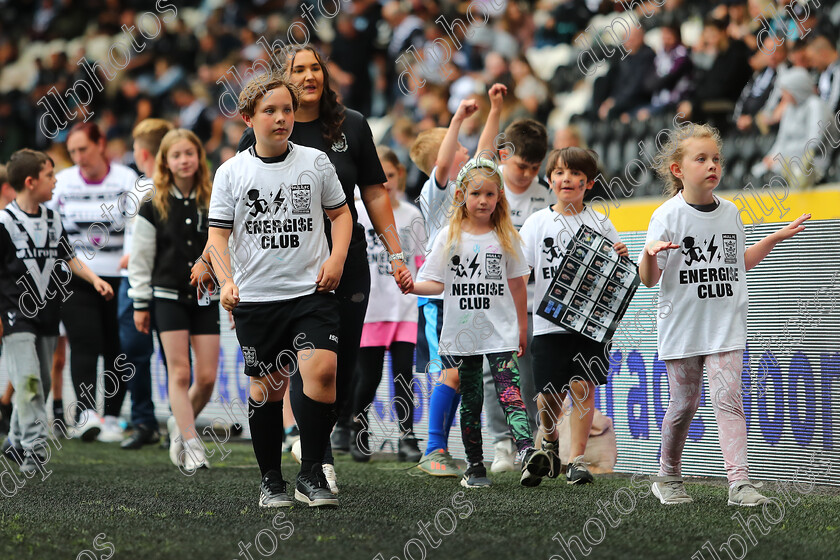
pixel 269 202
pixel 561 358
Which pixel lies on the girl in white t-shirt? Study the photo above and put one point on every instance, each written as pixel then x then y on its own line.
pixel 390 321
pixel 704 282
pixel 477 263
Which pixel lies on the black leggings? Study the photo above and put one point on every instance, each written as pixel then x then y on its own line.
pixel 369 374
pixel 353 293
pixel 92 329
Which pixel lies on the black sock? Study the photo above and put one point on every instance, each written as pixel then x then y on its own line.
pixel 315 422
pixel 58 409
pixel 266 424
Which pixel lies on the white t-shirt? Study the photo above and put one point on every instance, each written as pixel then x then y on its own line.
pixel 704 280
pixel 544 237
pixel 387 302
pixel 95 215
pixel 275 210
pixel 479 316
pixel 536 197
pixel 436 205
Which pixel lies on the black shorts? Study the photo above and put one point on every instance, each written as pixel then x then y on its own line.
pixel 560 357
pixel 271 334
pixel 173 315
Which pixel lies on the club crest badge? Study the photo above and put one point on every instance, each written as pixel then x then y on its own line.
pixel 301 199
pixel 493 266
pixel 250 355
pixel 730 248
pixel 341 145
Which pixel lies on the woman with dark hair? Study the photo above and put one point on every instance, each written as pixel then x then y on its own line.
pixel 94 198
pixel 323 123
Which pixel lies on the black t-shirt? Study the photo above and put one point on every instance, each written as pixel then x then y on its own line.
pixel 30 246
pixel 354 158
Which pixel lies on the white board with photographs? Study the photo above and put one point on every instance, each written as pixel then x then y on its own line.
pixel 592 288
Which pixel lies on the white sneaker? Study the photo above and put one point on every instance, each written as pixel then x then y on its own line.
pixel 112 432
pixel 329 473
pixel 670 490
pixel 744 493
pixel 193 455
pixel 504 457
pixel 296 451
pixel 88 426
pixel 176 445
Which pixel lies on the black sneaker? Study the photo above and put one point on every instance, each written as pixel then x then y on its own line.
pixel 340 439
pixel 142 435
pixel 360 445
pixel 12 453
pixel 273 491
pixel 409 450
pixel 476 477
pixel 577 473
pixel 313 489
pixel 535 465
pixel 557 467
pixel 32 463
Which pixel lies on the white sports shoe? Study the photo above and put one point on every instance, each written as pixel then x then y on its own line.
pixel 176 445
pixel 744 493
pixel 670 490
pixel 329 473
pixel 193 455
pixel 504 457
pixel 111 430
pixel 88 426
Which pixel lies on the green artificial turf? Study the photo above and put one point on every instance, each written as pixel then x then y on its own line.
pixel 142 507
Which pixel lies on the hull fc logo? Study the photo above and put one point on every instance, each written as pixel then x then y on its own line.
pixel 730 251
pixel 301 199
pixel 250 355
pixel 493 266
pixel 334 338
pixel 341 145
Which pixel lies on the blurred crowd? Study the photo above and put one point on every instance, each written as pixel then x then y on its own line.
pixel 765 72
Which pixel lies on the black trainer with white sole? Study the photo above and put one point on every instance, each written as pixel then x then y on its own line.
pixel 313 489
pixel 535 465
pixel 273 491
pixel 476 477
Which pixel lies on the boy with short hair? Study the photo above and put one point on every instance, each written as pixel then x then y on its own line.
pixel 269 201
pixel 32 244
pixel 525 145
pixel 138 346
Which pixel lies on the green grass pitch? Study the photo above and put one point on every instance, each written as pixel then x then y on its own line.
pixel 101 502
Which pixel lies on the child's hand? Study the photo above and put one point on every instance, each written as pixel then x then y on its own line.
pixel 793 228
pixel 330 275
pixel 657 246
pixel 523 342
pixel 465 109
pixel 104 288
pixel 230 296
pixel 621 249
pixel 497 93
pixel 403 277
pixel 200 272
pixel 142 321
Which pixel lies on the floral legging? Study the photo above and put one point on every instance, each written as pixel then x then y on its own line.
pixel 505 369
pixel 685 382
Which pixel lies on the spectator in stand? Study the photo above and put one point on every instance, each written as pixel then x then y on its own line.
pixel 196 116
pixel 352 50
pixel 721 71
pixel 528 89
pixel 761 95
pixel 803 118
pixel 822 56
pixel 623 88
pixel 672 81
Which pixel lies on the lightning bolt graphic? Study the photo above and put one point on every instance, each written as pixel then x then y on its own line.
pixel 712 248
pixel 474 266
